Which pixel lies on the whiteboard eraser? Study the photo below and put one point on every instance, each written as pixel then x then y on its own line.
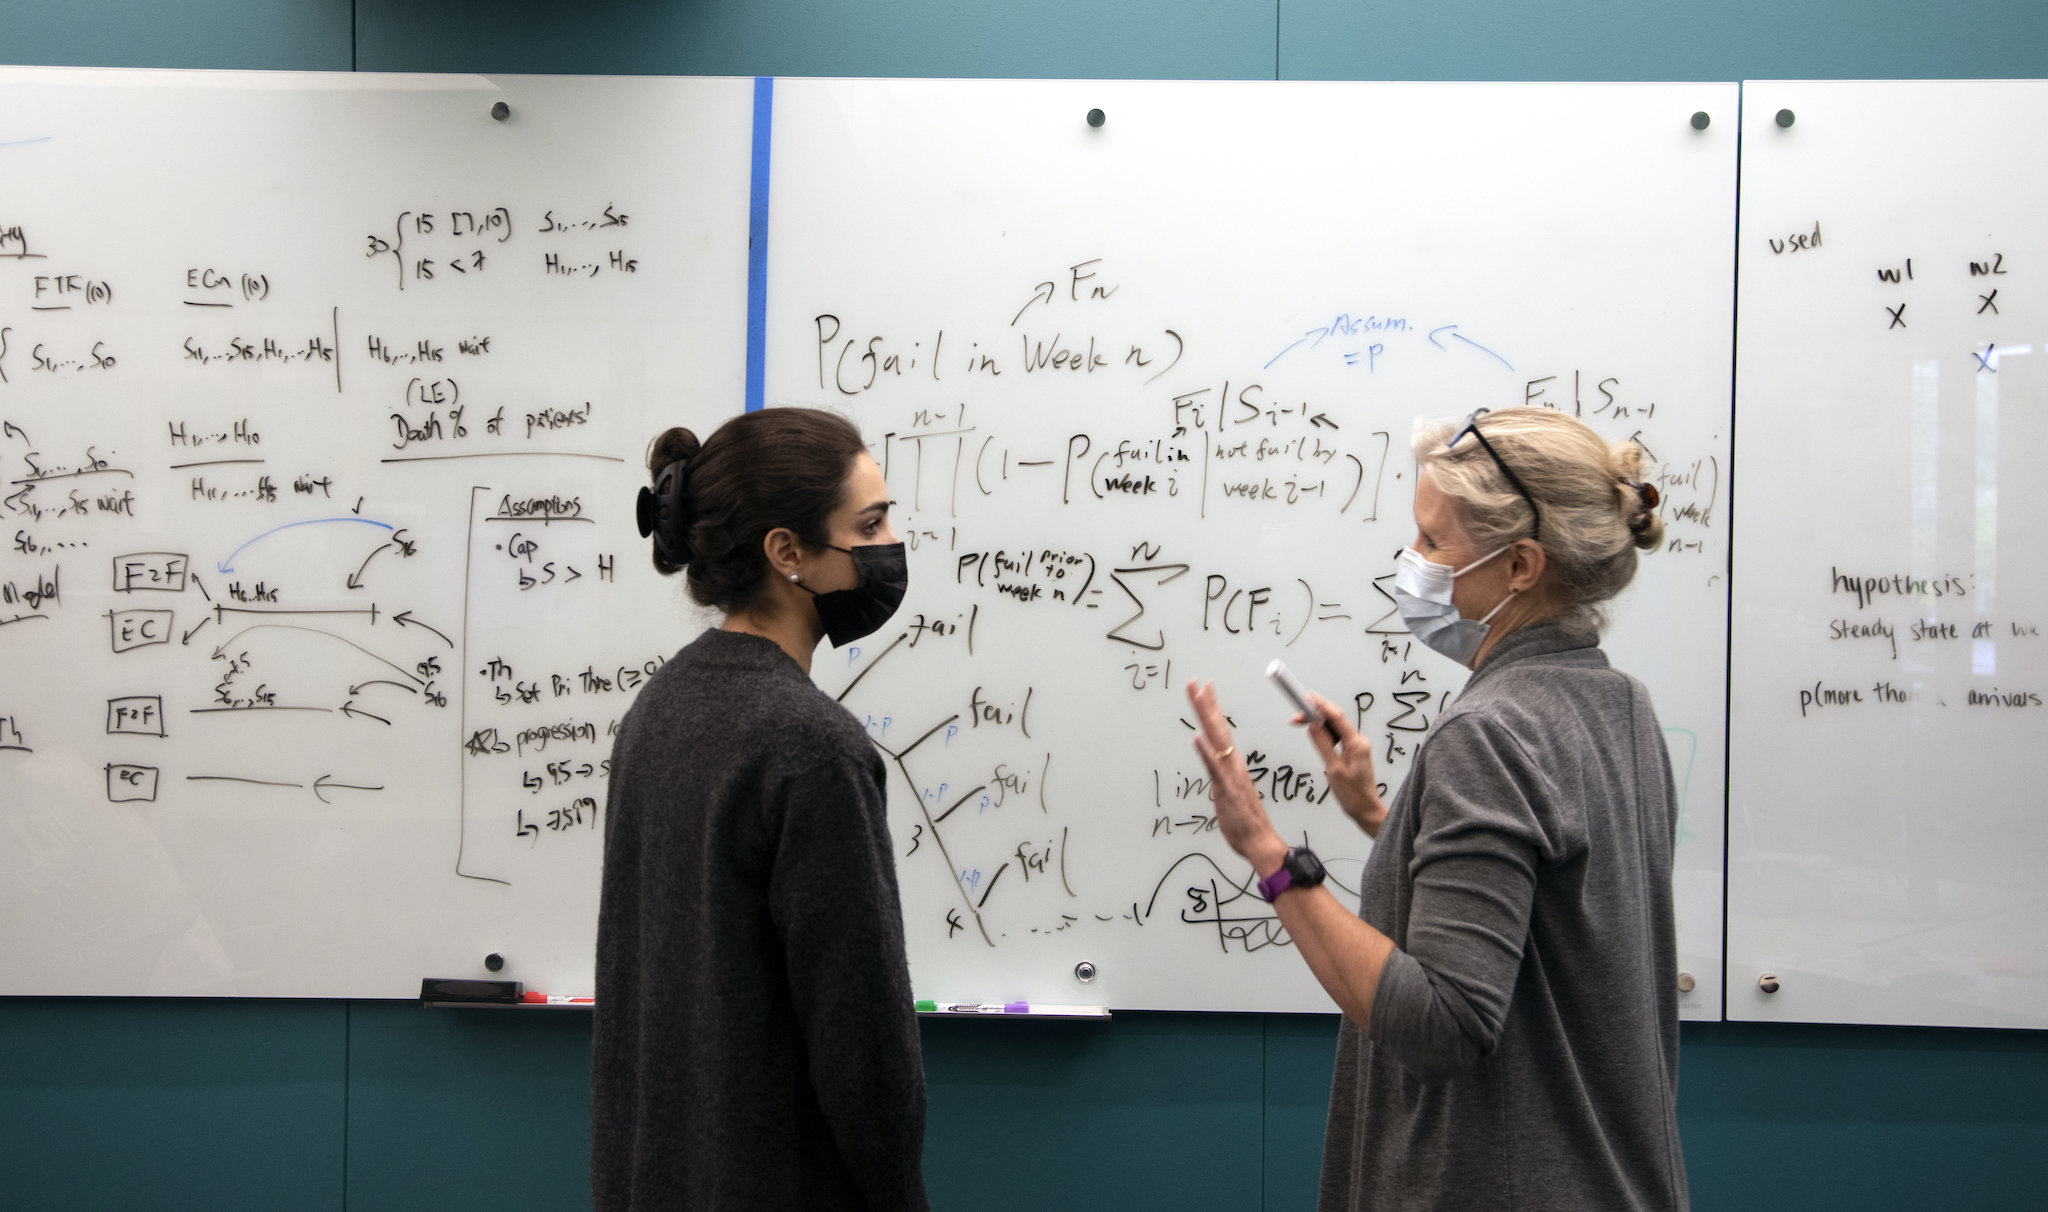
pixel 474 992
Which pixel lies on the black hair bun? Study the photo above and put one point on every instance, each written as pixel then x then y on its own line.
pixel 663 510
pixel 663 513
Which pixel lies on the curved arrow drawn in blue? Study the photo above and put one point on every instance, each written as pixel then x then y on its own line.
pixel 228 565
pixel 1458 336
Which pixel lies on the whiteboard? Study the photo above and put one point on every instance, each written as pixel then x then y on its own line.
pixel 1886 662
pixel 322 591
pixel 198 798
pixel 1143 394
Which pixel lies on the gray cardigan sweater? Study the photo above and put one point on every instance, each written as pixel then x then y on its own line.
pixel 755 1043
pixel 1524 1044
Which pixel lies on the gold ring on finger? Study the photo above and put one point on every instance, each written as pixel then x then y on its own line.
pixel 1226 752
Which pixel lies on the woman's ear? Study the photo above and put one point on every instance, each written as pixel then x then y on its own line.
pixel 1526 565
pixel 784 550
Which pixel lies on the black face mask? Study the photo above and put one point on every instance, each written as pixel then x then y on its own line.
pixel 849 614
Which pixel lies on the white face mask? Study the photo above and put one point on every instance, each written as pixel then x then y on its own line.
pixel 1422 591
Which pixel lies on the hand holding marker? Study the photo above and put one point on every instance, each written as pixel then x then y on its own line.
pixel 1347 759
pixel 1298 695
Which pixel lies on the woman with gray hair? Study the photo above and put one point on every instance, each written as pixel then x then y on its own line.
pixel 1508 985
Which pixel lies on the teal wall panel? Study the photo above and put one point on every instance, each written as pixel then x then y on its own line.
pixel 229 1105
pixel 1151 1110
pixel 222 1105
pixel 469 1109
pixel 1823 1118
pixel 1145 1111
pixel 1299 1052
pixel 295 35
pixel 1142 39
pixel 1661 40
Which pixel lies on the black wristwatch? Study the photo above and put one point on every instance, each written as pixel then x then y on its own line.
pixel 1300 869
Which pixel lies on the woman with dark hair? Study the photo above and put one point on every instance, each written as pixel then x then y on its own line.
pixel 755 1043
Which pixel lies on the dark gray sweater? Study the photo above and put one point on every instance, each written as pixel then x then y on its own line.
pixel 755 1043
pixel 1524 1043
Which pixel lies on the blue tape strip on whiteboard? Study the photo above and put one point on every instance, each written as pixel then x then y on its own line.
pixel 757 242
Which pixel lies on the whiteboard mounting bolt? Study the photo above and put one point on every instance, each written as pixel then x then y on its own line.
pixel 1096 118
pixel 1785 117
pixel 1700 120
pixel 1084 972
pixel 494 961
pixel 500 110
pixel 1768 982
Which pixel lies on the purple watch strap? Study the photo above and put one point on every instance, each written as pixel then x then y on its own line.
pixel 1276 883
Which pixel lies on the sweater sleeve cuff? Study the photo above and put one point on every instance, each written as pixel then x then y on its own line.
pixel 1409 1025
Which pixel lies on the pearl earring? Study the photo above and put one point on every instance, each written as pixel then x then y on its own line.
pixel 792 576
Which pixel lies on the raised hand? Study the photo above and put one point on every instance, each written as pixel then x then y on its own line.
pixel 1347 763
pixel 1240 813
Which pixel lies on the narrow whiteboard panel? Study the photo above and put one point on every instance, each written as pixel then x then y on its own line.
pixel 1887 662
pixel 1143 393
pixel 324 401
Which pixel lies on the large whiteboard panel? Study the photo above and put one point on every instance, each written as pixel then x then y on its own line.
pixel 1143 393
pixel 285 711
pixel 1887 665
